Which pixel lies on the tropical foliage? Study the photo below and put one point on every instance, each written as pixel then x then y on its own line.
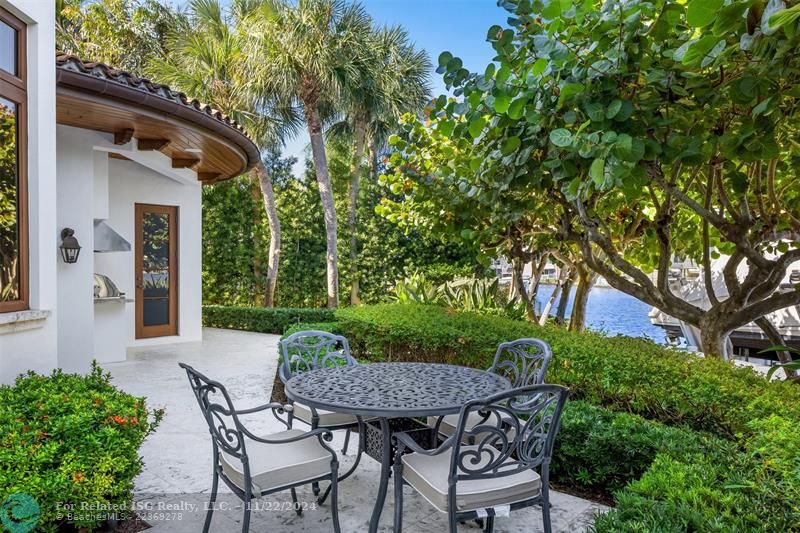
pixel 626 133
pixel 386 253
pixel 481 295
pixel 126 34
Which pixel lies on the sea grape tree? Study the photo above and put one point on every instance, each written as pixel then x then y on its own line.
pixel 643 130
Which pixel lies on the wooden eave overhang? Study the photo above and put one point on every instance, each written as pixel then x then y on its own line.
pixel 147 116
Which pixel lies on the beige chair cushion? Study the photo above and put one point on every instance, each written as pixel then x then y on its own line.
pixel 276 465
pixel 428 475
pixel 327 419
pixel 449 423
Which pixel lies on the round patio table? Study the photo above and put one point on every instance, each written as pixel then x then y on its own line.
pixel 392 390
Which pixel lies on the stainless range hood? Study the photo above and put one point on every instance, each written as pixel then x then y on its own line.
pixel 108 240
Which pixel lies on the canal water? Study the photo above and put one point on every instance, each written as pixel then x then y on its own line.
pixel 612 312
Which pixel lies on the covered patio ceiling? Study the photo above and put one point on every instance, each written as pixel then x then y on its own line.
pixel 151 124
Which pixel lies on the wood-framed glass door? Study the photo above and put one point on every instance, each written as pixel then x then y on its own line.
pixel 156 270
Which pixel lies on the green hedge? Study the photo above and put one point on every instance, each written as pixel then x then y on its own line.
pixel 261 319
pixel 683 443
pixel 70 439
pixel 622 373
pixel 717 448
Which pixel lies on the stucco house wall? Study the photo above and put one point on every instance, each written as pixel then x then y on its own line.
pixel 93 186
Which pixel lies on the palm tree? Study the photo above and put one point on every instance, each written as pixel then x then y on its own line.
pixel 395 80
pixel 313 53
pixel 210 60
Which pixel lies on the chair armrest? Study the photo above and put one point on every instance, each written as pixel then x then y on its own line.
pixel 325 434
pixel 274 405
pixel 405 441
pixel 322 435
pixel 276 408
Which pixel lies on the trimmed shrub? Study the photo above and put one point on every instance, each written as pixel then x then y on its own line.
pixel 728 463
pixel 330 327
pixel 261 319
pixel 603 451
pixel 703 492
pixel 71 439
pixel 622 373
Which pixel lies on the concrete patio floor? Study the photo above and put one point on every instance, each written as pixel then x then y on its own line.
pixel 173 488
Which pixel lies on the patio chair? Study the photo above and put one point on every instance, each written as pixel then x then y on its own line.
pixel 304 351
pixel 253 466
pixel 469 482
pixel 523 362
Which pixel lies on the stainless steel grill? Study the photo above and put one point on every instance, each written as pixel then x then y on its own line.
pixel 106 290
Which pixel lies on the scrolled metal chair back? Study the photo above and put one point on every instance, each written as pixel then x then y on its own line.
pixel 523 362
pixel 516 432
pixel 309 350
pixel 218 410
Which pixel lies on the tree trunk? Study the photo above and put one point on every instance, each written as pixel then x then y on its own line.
pixel 563 302
pixel 373 160
pixel 537 268
pixel 512 286
pixel 359 138
pixel 586 280
pixel 265 182
pixel 519 288
pixel 713 336
pixel 258 281
pixel 314 123
pixel 562 278
pixel 776 339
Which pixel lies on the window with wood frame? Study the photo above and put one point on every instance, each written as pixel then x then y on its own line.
pixel 13 162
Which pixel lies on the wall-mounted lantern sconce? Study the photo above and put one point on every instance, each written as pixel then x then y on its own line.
pixel 70 249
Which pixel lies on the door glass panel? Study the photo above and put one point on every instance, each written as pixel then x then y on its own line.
pixel 8 48
pixel 155 312
pixel 9 213
pixel 155 269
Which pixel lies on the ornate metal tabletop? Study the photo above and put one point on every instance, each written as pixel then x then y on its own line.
pixel 394 389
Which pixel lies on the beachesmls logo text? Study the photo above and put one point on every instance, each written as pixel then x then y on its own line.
pixel 19 513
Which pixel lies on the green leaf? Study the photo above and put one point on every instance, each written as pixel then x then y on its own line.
pixel 510 145
pixel 700 48
pixel 539 66
pixel 454 64
pixel 502 103
pixel 597 171
pixel 761 107
pixel 702 12
pixel 446 127
pixel 785 17
pixel 571 89
pixel 493 33
pixel 476 127
pixel 444 58
pixel 561 137
pixel 552 9
pixel 613 108
pixel 730 17
pixel 595 112
pixel 623 146
pixel 517 108
pixel 503 73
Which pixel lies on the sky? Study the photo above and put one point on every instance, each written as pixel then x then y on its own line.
pixel 458 26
